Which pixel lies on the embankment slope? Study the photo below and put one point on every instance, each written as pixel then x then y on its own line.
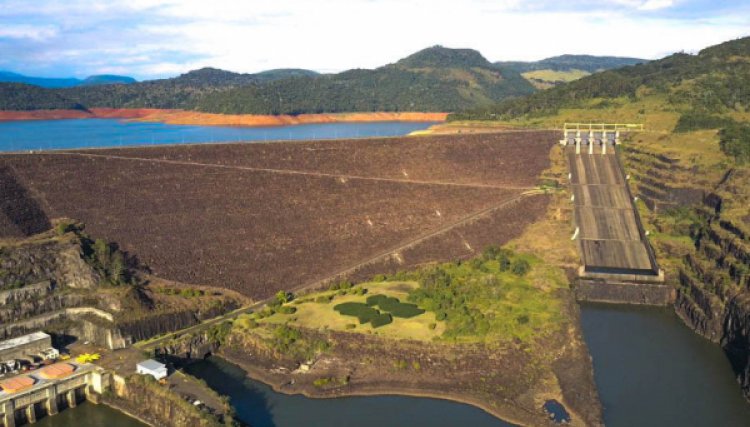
pixel 262 217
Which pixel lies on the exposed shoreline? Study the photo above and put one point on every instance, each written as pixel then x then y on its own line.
pixel 183 117
pixel 260 375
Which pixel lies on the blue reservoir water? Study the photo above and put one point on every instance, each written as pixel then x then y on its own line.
pixel 88 133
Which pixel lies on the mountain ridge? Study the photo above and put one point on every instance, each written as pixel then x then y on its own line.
pixel 63 82
pixel 433 79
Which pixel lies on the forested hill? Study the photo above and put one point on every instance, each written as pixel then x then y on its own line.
pixel 434 79
pixel 715 80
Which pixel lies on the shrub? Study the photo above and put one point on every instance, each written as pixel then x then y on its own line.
pixel 400 364
pixel 381 319
pixel 246 322
pixel 322 382
pixel 191 293
pixel 362 312
pixel 286 310
pixel 694 120
pixel 520 267
pixel 380 278
pixel 284 337
pixel 324 299
pixel 394 306
pixel 283 297
pixel 503 261
pixel 432 326
pixel 63 227
pixel 735 141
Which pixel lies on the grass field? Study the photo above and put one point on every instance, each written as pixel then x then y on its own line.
pixel 317 315
pixel 543 79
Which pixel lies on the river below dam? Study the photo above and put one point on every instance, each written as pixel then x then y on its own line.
pixel 650 369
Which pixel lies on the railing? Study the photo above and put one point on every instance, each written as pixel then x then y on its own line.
pixel 614 127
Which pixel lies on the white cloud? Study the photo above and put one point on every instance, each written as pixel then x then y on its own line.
pixel 166 37
pixel 32 32
pixel 656 4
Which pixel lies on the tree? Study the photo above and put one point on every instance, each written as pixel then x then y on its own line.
pixel 117 268
pixel 102 253
pixel 283 297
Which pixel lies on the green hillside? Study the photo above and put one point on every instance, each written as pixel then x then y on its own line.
pixel 434 79
pixel 716 80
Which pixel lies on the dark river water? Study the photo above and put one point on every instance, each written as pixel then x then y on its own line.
pixel 258 405
pixel 651 370
pixel 87 133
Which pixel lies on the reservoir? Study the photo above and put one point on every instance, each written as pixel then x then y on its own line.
pixel 90 133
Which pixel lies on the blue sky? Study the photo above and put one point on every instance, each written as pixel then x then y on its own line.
pixel 161 38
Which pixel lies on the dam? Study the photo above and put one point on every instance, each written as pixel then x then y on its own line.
pixel 617 261
pixel 46 391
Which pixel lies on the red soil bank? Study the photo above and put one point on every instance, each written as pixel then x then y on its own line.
pixel 183 117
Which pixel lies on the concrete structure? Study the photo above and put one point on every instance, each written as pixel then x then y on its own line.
pixel 25 346
pixel 83 381
pixel 612 242
pixel 153 368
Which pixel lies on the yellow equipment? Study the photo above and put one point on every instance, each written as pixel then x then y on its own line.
pixel 87 357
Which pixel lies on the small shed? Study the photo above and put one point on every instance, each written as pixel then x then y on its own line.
pixel 152 367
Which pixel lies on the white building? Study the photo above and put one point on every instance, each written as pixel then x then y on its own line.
pixel 153 368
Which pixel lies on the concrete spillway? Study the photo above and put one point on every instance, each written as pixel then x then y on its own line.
pixel 612 241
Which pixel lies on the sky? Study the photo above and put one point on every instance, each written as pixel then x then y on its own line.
pixel 162 38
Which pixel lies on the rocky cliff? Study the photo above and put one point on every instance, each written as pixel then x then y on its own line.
pixel 63 282
pixel 142 396
pixel 702 237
